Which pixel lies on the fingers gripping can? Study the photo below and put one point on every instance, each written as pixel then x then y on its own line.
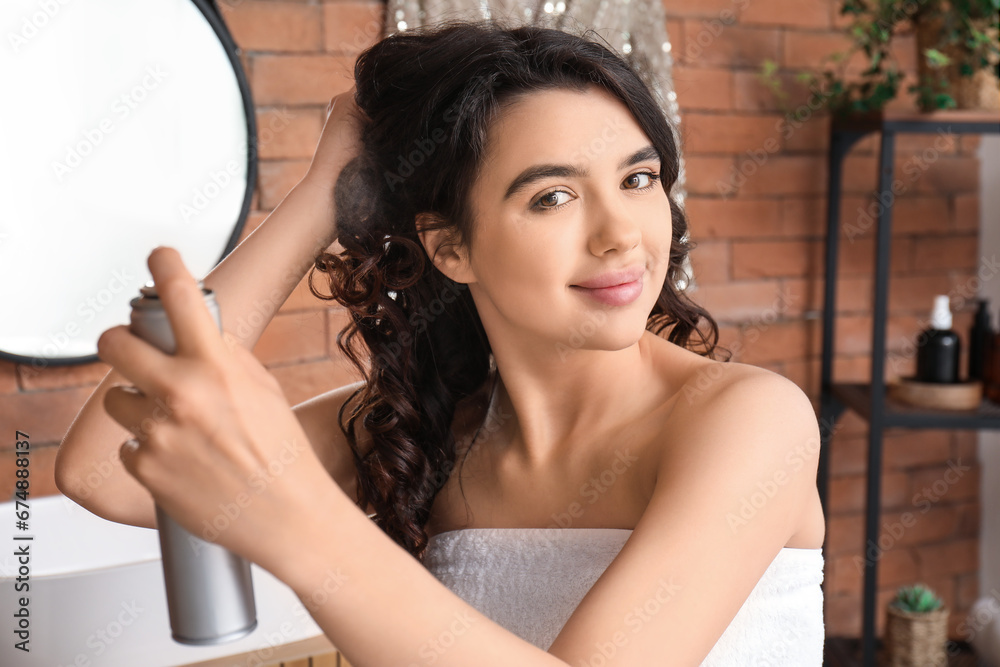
pixel 209 589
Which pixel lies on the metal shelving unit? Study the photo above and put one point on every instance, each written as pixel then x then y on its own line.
pixel 870 400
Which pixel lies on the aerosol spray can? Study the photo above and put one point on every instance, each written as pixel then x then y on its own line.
pixel 209 589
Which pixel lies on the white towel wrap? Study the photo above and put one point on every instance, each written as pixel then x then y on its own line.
pixel 529 580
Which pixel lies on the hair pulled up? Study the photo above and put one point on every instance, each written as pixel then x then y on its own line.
pixel 432 93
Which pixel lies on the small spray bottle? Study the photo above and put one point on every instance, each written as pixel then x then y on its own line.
pixel 939 352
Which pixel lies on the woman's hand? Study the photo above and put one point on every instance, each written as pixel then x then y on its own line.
pixel 339 142
pixel 219 447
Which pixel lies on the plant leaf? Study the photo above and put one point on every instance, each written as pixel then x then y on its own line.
pixel 935 58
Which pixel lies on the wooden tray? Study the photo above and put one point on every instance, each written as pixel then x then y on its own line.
pixel 952 396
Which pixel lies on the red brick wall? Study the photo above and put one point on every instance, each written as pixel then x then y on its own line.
pixel 759 262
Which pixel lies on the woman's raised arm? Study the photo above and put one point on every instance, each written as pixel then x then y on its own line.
pixel 250 284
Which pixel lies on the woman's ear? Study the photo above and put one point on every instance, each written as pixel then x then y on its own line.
pixel 450 257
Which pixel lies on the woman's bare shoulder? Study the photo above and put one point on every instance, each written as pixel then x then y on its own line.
pixel 729 415
pixel 693 375
pixel 701 380
pixel 716 400
pixel 319 417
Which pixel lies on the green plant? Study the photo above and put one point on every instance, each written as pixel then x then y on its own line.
pixel 932 88
pixel 966 43
pixel 967 40
pixel 917 599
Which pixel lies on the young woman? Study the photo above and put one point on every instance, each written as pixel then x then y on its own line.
pixel 551 482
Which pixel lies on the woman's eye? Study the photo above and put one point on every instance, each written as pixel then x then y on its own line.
pixel 548 200
pixel 647 174
pixel 548 203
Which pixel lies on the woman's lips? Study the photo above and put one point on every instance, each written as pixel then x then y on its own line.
pixel 619 295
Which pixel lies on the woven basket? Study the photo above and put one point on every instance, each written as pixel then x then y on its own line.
pixel 980 91
pixel 916 640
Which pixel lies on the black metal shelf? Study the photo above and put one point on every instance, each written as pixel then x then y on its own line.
pixel 876 407
pixel 857 397
pixel 846 652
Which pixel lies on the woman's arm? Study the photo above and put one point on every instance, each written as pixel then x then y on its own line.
pixel 250 284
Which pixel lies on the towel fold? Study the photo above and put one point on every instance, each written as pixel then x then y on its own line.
pixel 530 580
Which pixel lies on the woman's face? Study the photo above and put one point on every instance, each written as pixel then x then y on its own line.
pixel 536 238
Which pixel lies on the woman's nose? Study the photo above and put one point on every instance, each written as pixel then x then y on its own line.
pixel 614 227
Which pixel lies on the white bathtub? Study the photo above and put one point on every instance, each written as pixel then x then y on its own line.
pixel 97 599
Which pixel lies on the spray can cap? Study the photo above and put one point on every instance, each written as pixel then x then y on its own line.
pixel 148 289
pixel 941 315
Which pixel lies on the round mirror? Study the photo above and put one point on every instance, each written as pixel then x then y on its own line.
pixel 127 125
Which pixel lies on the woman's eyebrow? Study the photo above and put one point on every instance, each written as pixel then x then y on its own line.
pixel 540 171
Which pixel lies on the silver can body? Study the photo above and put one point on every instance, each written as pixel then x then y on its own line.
pixel 209 589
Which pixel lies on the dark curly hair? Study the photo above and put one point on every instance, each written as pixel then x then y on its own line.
pixel 431 93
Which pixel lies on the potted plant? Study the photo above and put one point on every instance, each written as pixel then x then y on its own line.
pixel 958 57
pixel 916 630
